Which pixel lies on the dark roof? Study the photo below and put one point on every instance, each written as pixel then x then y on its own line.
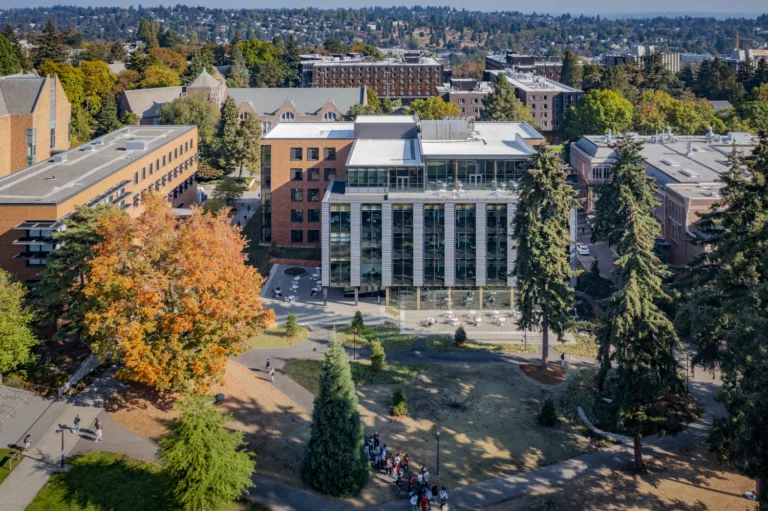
pixel 18 95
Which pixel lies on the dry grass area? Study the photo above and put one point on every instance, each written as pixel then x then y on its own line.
pixel 553 374
pixel 690 479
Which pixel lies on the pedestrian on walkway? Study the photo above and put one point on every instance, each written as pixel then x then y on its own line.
pixel 424 502
pixel 562 359
pixel 376 439
pixel 97 424
pixel 406 460
pixel 99 434
pixel 249 208
pixel 434 496
pixel 443 498
pixel 27 442
pixel 426 477
pixel 77 424
pixel 428 495
pixel 269 365
pixel 414 502
pixel 272 375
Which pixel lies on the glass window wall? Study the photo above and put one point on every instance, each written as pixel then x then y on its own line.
pixel 371 244
pixel 496 244
pixel 434 244
pixel 341 244
pixel 465 244
pixel 402 245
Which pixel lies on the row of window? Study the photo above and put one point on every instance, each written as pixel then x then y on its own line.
pixel 313 236
pixel 313 153
pixel 313 195
pixel 162 162
pixel 297 215
pixel 313 174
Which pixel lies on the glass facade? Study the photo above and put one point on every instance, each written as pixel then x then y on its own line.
pixel 266 193
pixel 371 244
pixel 473 174
pixel 434 244
pixel 465 244
pixel 341 244
pixel 496 244
pixel 402 245
pixel 392 178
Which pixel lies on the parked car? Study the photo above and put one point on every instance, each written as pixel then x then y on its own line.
pixel 582 249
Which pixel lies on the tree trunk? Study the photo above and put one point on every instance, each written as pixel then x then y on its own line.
pixel 761 488
pixel 544 340
pixel 639 465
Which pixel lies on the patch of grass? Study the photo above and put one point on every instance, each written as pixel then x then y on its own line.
pixel 388 333
pixel 586 346
pixel 259 256
pixel 5 463
pixel 104 480
pixel 306 372
pixel 446 343
pixel 277 338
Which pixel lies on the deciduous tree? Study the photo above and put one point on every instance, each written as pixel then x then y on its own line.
pixel 597 112
pixel 540 230
pixel 159 76
pixel 433 108
pixel 172 299
pixel 192 109
pixel 16 335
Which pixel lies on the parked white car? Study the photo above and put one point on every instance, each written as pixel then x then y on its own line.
pixel 582 249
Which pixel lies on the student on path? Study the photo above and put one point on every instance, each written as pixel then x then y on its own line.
pixel 77 424
pixel 428 495
pixel 426 477
pixel 562 359
pixel 99 434
pixel 27 442
pixel 406 460
pixel 443 498
pixel 414 502
pixel 97 424
pixel 424 503
pixel 272 375
pixel 269 365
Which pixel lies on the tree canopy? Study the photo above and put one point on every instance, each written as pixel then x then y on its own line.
pixel 192 109
pixel 597 112
pixel 17 338
pixel 502 104
pixel 433 108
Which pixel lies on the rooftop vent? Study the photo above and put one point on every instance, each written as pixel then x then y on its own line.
pixel 136 145
pixel 98 141
pixel 59 158
pixel 689 173
pixel 89 147
pixel 670 162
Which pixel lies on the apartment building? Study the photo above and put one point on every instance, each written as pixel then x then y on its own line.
pixel 548 67
pixel 422 215
pixel 271 105
pixel 467 94
pixel 686 170
pixel 638 55
pixel 412 77
pixel 117 168
pixel 547 100
pixel 34 120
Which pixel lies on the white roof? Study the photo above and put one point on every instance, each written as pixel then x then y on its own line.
pixel 401 152
pixel 310 130
pixel 489 139
pixel 386 119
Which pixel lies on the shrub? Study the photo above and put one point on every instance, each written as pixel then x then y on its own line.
pixel 378 356
pixel 292 326
pixel 548 414
pixel 460 337
pixel 358 325
pixel 399 403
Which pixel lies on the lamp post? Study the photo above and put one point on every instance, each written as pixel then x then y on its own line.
pixel 438 451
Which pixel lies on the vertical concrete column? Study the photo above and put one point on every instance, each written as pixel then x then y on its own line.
pixel 511 244
pixel 386 247
pixel 450 245
pixel 481 218
pixel 418 244
pixel 356 218
pixel 418 298
pixel 325 245
pixel 481 298
pixel 573 229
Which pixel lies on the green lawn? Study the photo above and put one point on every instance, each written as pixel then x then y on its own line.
pixel 277 338
pixel 307 372
pixel 388 333
pixel 104 480
pixel 446 343
pixel 259 256
pixel 586 346
pixel 5 463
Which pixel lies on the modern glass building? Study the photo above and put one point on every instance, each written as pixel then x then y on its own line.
pixel 423 216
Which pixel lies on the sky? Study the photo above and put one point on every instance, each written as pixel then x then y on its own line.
pixel 603 7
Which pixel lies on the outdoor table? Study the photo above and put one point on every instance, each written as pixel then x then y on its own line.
pixel 296 278
pixel 454 321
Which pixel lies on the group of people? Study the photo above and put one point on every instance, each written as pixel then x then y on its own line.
pixel 98 430
pixel 421 495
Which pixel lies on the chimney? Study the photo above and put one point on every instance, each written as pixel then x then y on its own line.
pixel 689 154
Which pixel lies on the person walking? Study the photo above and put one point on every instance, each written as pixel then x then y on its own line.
pixel 406 460
pixel 97 424
pixel 77 424
pixel 428 495
pixel 27 442
pixel 376 439
pixel 426 477
pixel 269 365
pixel 562 359
pixel 443 498
pixel 272 375
pixel 99 434
pixel 414 502
pixel 424 502
pixel 434 495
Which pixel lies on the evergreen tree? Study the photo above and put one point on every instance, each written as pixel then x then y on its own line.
pixel 335 463
pixel 540 229
pixel 9 60
pixel 49 46
pixel 725 312
pixel 16 335
pixel 237 75
pixel 635 335
pixel 9 33
pixel 248 145
pixel 202 58
pixel 572 71
pixel 292 325
pixel 205 463
pixel 60 293
pixel 502 104
pixel 226 138
pixel 107 120
pixel 147 33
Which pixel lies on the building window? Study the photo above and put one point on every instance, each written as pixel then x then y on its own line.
pixel 329 116
pixel 287 117
pixel 31 146
pixel 297 216
pixel 465 244
pixel 330 174
pixel 434 244
pixel 297 175
pixel 313 154
pixel 371 251
pixel 340 244
pixel 496 244
pixel 329 153
pixel 313 215
pixel 297 236
pixel 53 137
pixel 296 154
pixel 314 195
pixel 143 173
pixel 297 195
pixel 402 245
pixel 313 236
pixel 135 178
pixel 314 175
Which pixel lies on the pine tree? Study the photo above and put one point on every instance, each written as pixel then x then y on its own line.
pixel 49 46
pixel 540 228
pixel 226 138
pixel 107 120
pixel 237 75
pixel 502 104
pixel 147 33
pixel 9 60
pixel 335 463
pixel 248 145
pixel 206 464
pixel 292 326
pixel 725 312
pixel 572 71
pixel 635 335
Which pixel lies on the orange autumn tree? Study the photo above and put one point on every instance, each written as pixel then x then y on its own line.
pixel 172 298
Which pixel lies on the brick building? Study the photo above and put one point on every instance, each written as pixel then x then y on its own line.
pixel 548 67
pixel 547 100
pixel 467 94
pixel 413 77
pixel 34 121
pixel 116 168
